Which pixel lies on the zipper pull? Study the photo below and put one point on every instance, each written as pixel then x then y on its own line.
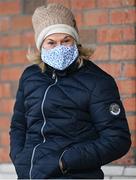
pixel 53 75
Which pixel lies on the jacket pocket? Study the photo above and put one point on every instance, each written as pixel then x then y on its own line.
pixel 62 165
pixel 47 166
pixel 23 157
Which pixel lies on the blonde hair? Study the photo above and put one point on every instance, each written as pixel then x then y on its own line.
pixel 35 57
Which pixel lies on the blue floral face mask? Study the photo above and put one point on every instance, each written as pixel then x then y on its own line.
pixel 60 57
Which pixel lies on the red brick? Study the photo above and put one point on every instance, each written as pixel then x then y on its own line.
pixel 79 18
pixel 19 56
pixel 109 35
pixel 4 57
pixel 4 24
pixel 129 3
pixel 11 7
pixel 21 22
pixel 123 52
pixel 128 159
pixel 27 39
pixel 4 155
pixel 127 86
pixel 114 3
pixel 116 34
pixel 4 137
pixel 66 3
pixel 10 73
pixel 132 122
pixel 123 16
pixel 129 70
pixel 5 90
pixel 101 53
pixel 129 34
pixel 4 122
pixel 94 18
pixel 7 105
pixel 130 104
pixel 133 138
pixel 85 4
pixel 113 69
pixel 108 3
pixel 87 36
pixel 10 41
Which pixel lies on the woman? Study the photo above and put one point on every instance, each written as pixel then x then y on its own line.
pixel 68 119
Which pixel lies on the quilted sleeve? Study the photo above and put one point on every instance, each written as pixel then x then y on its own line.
pixel 18 124
pixel 108 117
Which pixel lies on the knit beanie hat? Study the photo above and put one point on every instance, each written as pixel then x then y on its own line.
pixel 55 18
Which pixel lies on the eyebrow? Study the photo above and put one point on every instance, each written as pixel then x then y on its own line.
pixel 67 36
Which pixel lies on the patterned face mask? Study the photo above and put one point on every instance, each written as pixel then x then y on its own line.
pixel 60 57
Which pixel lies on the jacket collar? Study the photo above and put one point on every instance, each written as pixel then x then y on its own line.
pixel 71 69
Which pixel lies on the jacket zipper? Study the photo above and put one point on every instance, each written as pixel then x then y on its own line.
pixel 44 123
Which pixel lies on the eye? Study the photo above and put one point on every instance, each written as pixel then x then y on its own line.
pixel 67 41
pixel 51 43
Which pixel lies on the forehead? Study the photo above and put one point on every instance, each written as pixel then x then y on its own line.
pixel 58 36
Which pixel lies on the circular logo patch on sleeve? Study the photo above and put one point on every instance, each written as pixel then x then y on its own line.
pixel 114 109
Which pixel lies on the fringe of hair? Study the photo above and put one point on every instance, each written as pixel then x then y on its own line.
pixel 35 58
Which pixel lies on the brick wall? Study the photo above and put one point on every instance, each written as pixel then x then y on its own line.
pixel 107 25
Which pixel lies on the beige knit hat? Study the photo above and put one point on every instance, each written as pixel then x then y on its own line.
pixel 55 18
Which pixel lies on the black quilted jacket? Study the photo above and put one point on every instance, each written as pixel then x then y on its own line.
pixel 74 115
